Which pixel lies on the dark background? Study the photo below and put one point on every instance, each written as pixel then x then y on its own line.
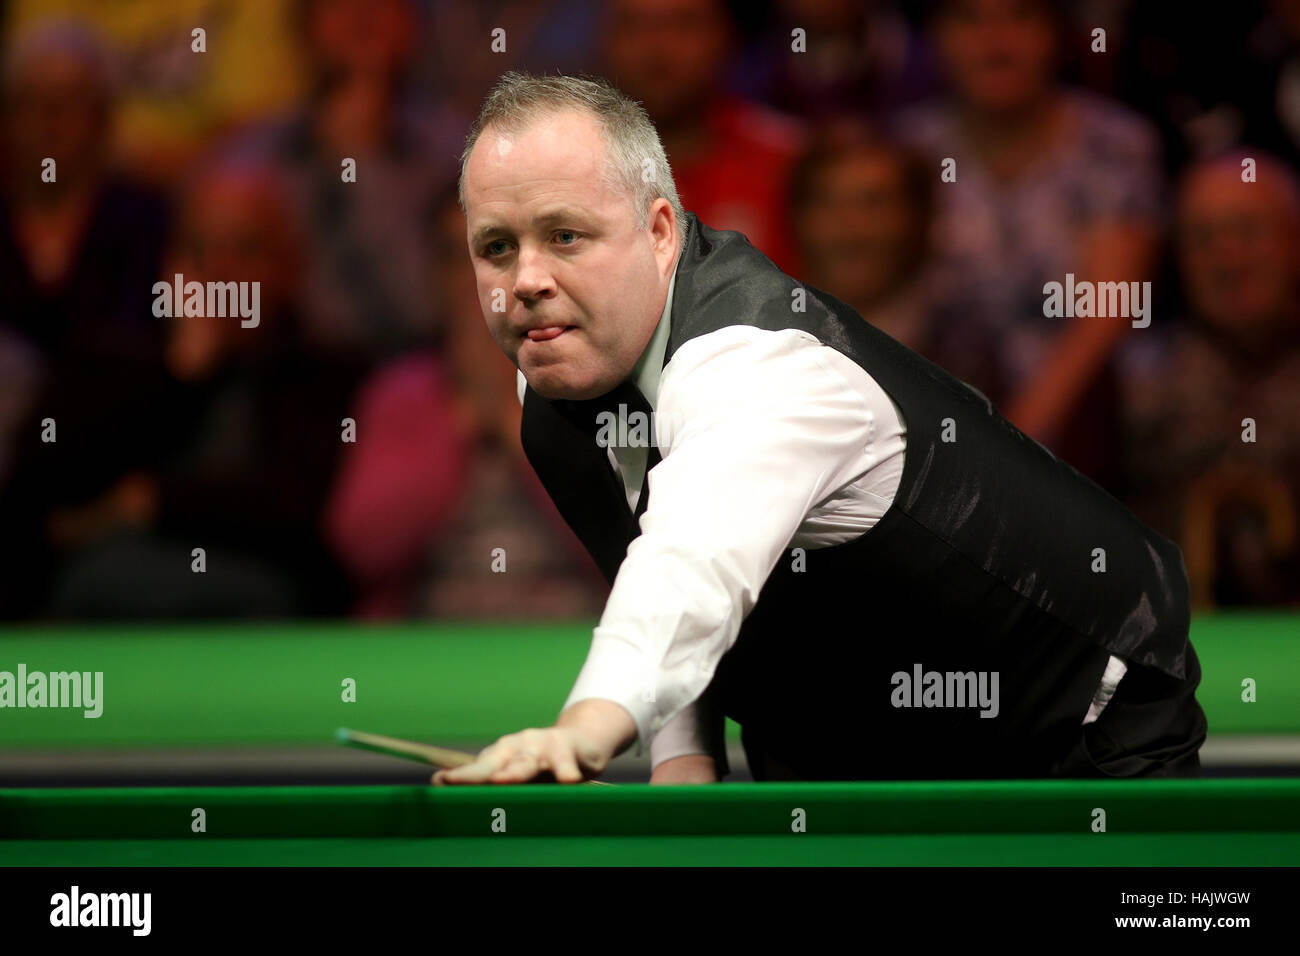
pixel 1121 165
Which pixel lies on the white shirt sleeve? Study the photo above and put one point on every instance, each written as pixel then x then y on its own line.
pixel 755 428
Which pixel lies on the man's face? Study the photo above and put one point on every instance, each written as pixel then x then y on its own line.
pixel 55 109
pixel 1237 250
pixel 665 53
pixel 999 53
pixel 231 229
pixel 858 230
pixel 570 287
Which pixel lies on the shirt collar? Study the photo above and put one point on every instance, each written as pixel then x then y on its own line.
pixel 645 375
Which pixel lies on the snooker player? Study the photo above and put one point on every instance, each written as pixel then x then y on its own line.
pixel 825 537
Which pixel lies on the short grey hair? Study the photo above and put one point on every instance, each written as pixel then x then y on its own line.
pixel 518 99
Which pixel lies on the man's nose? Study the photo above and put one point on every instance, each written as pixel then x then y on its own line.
pixel 533 279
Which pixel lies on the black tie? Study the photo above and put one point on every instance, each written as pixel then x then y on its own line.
pixel 588 415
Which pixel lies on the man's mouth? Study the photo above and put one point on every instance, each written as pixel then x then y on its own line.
pixel 547 333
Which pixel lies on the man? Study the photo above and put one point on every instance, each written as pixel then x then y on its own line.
pixel 831 540
pixel 862 212
pixel 79 252
pixel 242 445
pixel 731 156
pixel 1234 355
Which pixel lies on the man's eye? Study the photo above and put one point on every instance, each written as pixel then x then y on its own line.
pixel 567 232
pixel 488 249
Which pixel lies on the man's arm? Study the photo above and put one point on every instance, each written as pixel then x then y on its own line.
pixel 1046 402
pixel 756 428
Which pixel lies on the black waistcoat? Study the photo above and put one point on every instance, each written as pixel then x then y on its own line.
pixel 987 560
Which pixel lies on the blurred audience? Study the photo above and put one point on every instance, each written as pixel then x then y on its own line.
pixel 862 208
pixel 241 444
pixel 1049 181
pixel 438 480
pixel 859 58
pixel 80 246
pixel 1271 100
pixel 127 439
pixel 1216 81
pixel 172 101
pixel 731 157
pixel 463 53
pixel 1231 503
pixel 367 241
pixel 257 425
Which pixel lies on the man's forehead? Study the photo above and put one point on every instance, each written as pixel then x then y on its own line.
pixel 545 172
pixel 1212 191
pixel 564 143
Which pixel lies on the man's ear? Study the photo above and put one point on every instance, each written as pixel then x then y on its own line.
pixel 663 232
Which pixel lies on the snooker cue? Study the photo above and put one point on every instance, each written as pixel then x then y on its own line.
pixel 440 757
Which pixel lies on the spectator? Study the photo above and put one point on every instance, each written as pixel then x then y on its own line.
pixel 251 431
pixel 171 101
pixel 80 247
pixel 862 213
pixel 859 58
pixel 79 244
pixel 1049 182
pixel 1232 503
pixel 731 157
pixel 367 241
pixel 461 58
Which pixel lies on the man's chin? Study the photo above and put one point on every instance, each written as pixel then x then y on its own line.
pixel 551 384
pixel 570 394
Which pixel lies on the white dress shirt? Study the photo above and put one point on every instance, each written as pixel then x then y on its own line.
pixel 769 441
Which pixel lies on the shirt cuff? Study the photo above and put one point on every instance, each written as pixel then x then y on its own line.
pixel 618 671
pixel 1115 670
pixel 697 729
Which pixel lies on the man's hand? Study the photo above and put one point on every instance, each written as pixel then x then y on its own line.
pixel 690 768
pixel 580 745
pixel 560 752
